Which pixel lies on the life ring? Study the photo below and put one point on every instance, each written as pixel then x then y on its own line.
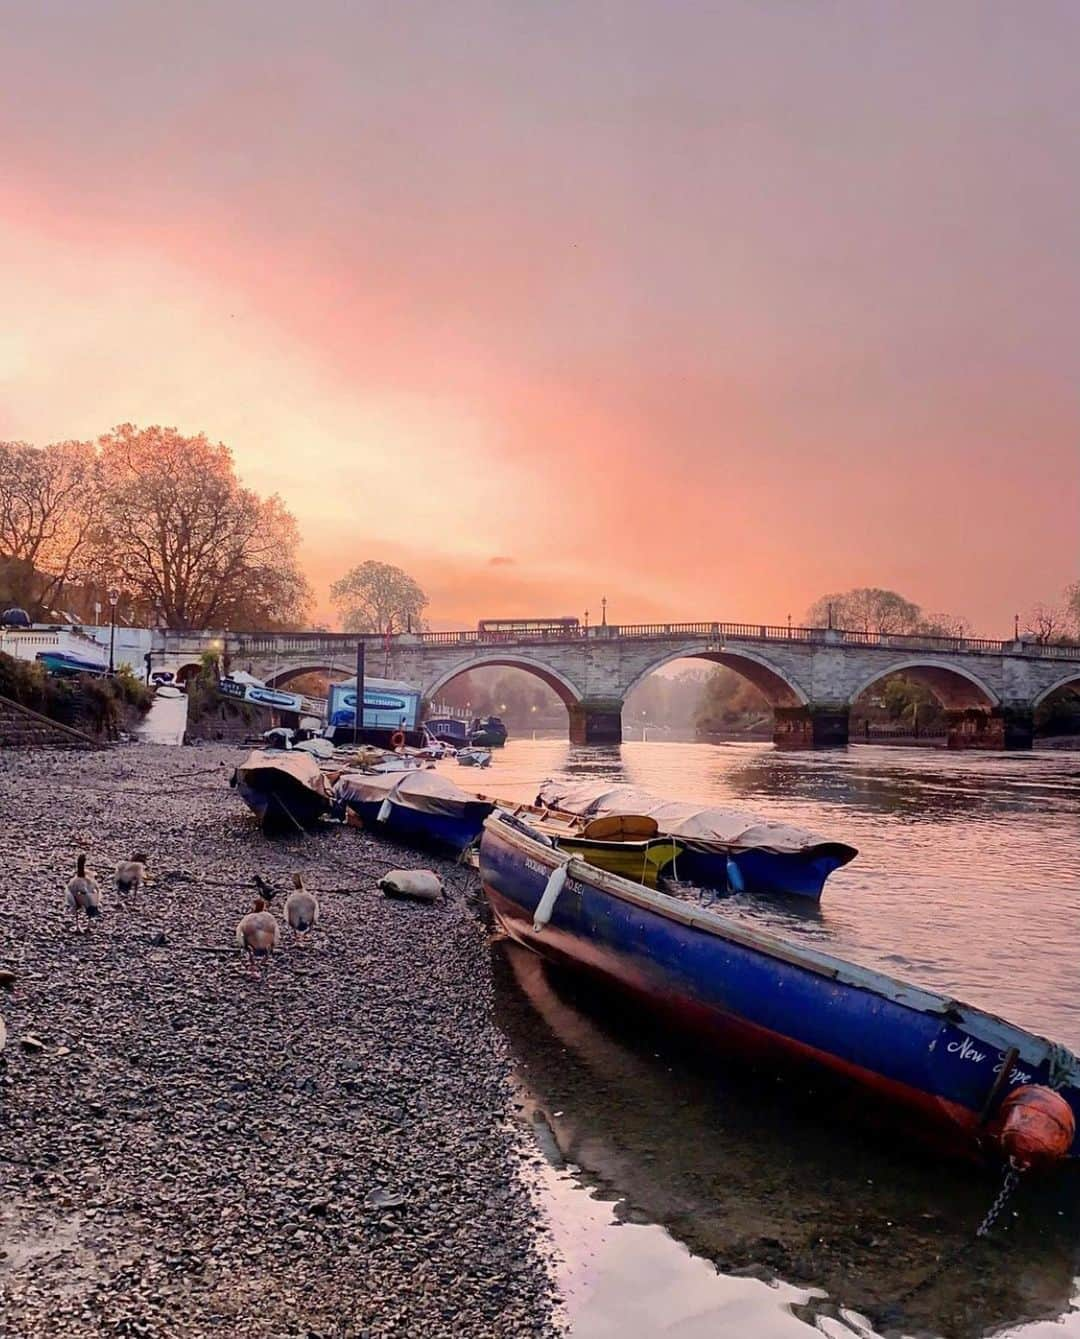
pixel 397 739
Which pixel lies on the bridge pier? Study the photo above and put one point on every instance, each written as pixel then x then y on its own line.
pixel 1011 727
pixel 820 725
pixel 596 720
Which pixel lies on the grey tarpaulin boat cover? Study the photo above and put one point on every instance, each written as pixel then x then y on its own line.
pixel 683 819
pixel 424 791
pixel 301 767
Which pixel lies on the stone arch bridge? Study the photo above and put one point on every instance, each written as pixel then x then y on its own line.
pixel 810 676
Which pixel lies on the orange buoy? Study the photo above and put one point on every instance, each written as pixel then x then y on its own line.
pixel 397 739
pixel 1037 1127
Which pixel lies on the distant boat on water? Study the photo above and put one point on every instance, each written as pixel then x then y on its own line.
pixel 448 730
pixel 488 733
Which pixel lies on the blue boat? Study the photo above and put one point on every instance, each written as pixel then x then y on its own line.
pixel 944 1072
pixel 415 806
pixel 285 789
pixel 66 662
pixel 723 849
pixel 448 730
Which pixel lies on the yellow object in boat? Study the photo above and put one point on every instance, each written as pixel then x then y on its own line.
pixel 642 861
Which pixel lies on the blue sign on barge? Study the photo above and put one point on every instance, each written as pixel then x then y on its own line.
pixel 947 1073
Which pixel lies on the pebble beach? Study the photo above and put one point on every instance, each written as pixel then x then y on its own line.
pixel 187 1152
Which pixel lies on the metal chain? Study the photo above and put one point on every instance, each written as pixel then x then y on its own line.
pixel 1009 1183
pixel 894 1310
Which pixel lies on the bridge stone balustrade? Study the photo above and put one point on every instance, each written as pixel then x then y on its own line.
pixel 810 676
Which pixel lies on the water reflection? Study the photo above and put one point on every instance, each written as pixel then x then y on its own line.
pixel 759 1180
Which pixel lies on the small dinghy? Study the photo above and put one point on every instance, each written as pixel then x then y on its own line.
pixel 474 757
pixel 943 1072
pixel 414 806
pixel 723 848
pixel 286 790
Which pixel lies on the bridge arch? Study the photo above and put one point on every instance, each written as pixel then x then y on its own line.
pixel 290 672
pixel 567 691
pixel 955 686
pixel 778 689
pixel 1070 680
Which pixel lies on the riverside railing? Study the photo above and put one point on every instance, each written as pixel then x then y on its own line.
pixel 339 643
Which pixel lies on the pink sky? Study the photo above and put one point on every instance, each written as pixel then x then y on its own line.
pixel 707 308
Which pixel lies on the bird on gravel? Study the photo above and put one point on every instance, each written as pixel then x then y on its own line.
pixel 257 934
pixel 130 875
pixel 82 894
pixel 301 907
pixel 266 892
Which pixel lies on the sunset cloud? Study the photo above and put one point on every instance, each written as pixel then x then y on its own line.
pixel 709 311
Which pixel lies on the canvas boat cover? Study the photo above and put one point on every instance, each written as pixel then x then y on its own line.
pixel 301 767
pixel 683 819
pixel 424 791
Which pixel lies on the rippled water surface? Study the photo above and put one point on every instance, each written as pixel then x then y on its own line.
pixel 968 873
pixel 689 1202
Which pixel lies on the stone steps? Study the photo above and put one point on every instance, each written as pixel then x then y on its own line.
pixel 22 728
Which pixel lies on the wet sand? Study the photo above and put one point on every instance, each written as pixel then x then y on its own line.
pixel 191 1154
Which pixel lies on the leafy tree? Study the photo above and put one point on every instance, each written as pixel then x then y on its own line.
pixel 865 609
pixel 180 534
pixel 520 698
pixel 728 701
pixel 874 610
pixel 48 511
pixel 1072 607
pixel 378 597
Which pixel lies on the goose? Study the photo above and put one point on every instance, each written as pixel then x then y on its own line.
pixel 82 894
pixel 301 907
pixel 257 934
pixel 130 874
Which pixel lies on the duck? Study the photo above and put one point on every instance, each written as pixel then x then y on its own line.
pixel 266 890
pixel 130 874
pixel 82 894
pixel 301 907
pixel 257 934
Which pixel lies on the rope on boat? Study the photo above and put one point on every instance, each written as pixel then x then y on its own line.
pixel 1061 1063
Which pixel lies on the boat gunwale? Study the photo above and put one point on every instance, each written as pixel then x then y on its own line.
pixel 1032 1046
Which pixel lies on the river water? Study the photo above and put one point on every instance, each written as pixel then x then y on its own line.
pixel 686 1201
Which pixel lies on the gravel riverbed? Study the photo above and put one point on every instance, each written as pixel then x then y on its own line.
pixel 184 1152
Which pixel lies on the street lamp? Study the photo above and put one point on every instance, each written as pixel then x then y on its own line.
pixel 114 596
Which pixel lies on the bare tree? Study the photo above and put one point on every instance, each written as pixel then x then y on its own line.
pixel 1046 624
pixel 48 511
pixel 378 597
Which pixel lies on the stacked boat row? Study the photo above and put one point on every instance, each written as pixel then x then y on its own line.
pixel 575 877
pixel 623 830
